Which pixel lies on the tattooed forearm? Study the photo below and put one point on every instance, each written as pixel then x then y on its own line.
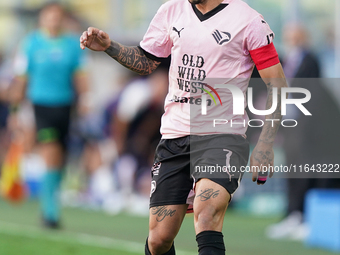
pixel 205 195
pixel 162 212
pixel 264 157
pixel 270 128
pixel 132 58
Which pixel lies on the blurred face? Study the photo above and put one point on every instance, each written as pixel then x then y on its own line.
pixel 294 36
pixel 197 1
pixel 51 18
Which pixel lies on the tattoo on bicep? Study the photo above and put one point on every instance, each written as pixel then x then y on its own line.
pixel 270 95
pixel 270 131
pixel 277 113
pixel 162 212
pixel 207 194
pixel 132 58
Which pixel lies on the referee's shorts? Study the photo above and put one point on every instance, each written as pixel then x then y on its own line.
pixel 52 123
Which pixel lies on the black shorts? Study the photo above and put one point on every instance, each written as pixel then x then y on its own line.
pixel 3 115
pixel 181 162
pixel 52 123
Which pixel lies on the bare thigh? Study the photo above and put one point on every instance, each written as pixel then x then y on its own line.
pixel 164 224
pixel 210 204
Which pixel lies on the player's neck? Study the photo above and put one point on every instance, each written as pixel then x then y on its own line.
pixel 208 5
pixel 51 32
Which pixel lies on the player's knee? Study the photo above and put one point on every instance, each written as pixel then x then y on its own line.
pixel 159 243
pixel 208 218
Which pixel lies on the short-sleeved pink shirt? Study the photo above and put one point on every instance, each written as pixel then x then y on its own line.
pixel 219 44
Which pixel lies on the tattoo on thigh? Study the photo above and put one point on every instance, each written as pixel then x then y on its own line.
pixel 162 212
pixel 207 194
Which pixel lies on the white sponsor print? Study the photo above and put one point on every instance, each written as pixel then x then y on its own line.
pixel 153 187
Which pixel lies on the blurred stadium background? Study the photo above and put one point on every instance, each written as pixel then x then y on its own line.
pixel 105 192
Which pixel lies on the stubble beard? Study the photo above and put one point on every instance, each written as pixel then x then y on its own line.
pixel 196 1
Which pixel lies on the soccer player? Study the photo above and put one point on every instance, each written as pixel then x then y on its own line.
pixel 206 39
pixel 50 67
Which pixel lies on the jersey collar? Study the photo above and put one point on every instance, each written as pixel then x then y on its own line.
pixel 203 17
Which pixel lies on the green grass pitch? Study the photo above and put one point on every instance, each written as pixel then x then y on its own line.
pixel 88 232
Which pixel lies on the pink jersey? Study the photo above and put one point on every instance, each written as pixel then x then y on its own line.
pixel 222 43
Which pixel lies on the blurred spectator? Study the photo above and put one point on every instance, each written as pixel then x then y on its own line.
pixel 299 60
pixel 133 134
pixel 328 55
pixel 314 140
pixel 137 121
pixel 4 91
pixel 50 67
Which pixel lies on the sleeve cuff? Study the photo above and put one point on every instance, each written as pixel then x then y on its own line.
pixel 151 56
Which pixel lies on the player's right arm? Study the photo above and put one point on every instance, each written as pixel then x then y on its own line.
pixel 16 94
pixel 132 58
pixel 17 88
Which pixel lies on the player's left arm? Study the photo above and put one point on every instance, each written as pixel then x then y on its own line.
pixel 263 154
